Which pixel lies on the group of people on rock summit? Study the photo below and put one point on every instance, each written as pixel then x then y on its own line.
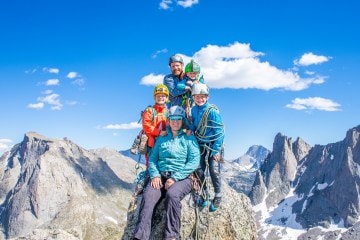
pixel 185 137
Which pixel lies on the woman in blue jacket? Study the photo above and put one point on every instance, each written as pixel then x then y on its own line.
pixel 173 159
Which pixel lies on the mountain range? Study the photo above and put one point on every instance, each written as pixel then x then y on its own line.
pixel 55 188
pixel 309 192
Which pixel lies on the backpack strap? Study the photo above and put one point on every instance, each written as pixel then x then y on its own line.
pixel 152 111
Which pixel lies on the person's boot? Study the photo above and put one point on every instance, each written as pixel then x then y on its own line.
pixel 215 204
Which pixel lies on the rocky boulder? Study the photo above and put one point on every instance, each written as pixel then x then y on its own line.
pixel 234 220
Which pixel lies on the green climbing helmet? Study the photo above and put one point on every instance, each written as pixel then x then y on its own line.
pixel 192 66
pixel 176 58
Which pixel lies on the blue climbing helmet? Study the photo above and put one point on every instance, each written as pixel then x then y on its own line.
pixel 176 113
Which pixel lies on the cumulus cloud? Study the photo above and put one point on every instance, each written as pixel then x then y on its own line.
pixel 31 71
pixel 38 105
pixel 317 103
pixel 5 144
pixel 238 66
pixel 51 70
pixel 152 79
pixel 79 82
pixel 166 4
pixel 72 75
pixel 52 82
pixel 52 99
pixel 187 3
pixel 159 52
pixel 310 59
pixel 123 126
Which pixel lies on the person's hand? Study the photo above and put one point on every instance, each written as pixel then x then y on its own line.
pixel 189 83
pixel 188 132
pixel 169 183
pixel 156 183
pixel 217 157
pixel 162 133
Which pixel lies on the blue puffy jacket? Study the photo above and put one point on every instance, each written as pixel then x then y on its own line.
pixel 213 132
pixel 176 95
pixel 179 155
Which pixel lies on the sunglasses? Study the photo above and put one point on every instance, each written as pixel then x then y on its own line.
pixel 173 118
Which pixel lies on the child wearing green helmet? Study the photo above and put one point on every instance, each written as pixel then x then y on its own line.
pixel 192 72
pixel 192 75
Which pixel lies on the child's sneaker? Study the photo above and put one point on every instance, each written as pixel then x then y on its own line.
pixel 204 200
pixel 215 204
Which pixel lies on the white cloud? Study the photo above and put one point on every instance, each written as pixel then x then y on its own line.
pixel 187 3
pixel 72 75
pixel 52 99
pixel 318 103
pixel 5 144
pixel 38 105
pixel 238 66
pixel 31 71
pixel 310 58
pixel 159 52
pixel 165 4
pixel 152 79
pixel 52 82
pixel 123 126
pixel 51 70
pixel 79 82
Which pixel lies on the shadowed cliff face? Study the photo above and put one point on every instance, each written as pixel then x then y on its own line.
pixel 319 185
pixel 278 170
pixel 330 179
pixel 55 184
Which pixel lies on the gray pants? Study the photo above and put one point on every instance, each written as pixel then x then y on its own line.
pixel 173 198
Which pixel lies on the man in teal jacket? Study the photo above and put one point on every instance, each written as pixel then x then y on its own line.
pixel 173 159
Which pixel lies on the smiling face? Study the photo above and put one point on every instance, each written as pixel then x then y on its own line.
pixel 176 68
pixel 200 99
pixel 192 75
pixel 175 123
pixel 160 99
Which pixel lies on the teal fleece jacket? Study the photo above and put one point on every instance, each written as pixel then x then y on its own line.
pixel 179 155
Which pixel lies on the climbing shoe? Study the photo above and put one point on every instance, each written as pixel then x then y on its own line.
pixel 215 204
pixel 204 200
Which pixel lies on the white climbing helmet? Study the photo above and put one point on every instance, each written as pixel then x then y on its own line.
pixel 199 88
pixel 176 112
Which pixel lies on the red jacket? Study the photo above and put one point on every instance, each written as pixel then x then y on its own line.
pixel 153 125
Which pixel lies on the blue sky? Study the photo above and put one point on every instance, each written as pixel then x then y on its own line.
pixel 85 70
